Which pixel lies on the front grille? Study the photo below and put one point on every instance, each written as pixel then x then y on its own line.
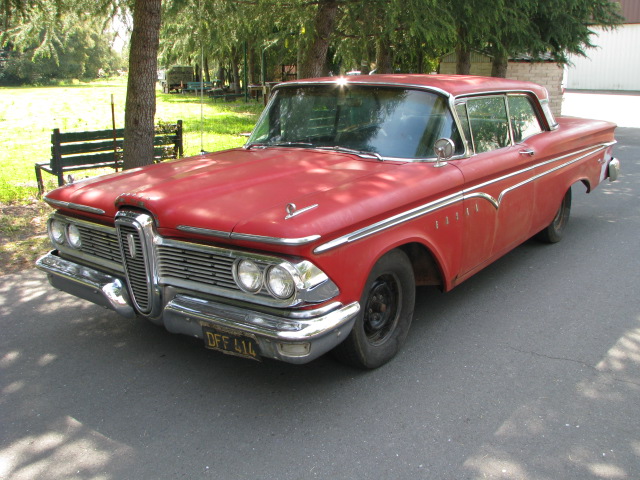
pixel 135 266
pixel 179 265
pixel 196 266
pixel 99 243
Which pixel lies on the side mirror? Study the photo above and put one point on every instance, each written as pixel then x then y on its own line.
pixel 444 148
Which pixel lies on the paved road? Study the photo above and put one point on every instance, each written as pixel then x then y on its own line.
pixel 530 370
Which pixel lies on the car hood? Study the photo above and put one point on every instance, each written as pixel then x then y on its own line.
pixel 248 191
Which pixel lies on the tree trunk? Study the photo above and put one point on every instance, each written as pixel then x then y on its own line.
pixel 235 65
pixel 140 108
pixel 463 62
pixel 499 66
pixel 384 57
pixel 314 60
pixel 207 75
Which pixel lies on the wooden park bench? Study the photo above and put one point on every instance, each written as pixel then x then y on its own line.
pixel 197 86
pixel 224 94
pixel 74 151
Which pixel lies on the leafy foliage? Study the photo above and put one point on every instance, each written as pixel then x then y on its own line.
pixel 47 40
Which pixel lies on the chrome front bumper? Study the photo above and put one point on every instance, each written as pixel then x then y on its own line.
pixel 291 336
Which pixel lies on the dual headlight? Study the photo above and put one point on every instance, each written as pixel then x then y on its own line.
pixel 62 233
pixel 279 279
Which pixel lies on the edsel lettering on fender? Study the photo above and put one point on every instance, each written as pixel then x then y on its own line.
pixel 354 191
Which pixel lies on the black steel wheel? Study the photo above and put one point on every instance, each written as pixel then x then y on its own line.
pixel 554 231
pixel 386 311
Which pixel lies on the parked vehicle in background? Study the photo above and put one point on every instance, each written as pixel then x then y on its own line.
pixel 173 78
pixel 349 193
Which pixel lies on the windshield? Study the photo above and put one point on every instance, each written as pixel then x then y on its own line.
pixel 383 121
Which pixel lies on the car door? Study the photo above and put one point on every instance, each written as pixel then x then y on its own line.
pixel 498 190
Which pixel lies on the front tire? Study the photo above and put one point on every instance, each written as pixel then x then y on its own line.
pixel 383 323
pixel 554 231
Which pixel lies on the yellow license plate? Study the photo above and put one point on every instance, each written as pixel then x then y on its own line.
pixel 233 343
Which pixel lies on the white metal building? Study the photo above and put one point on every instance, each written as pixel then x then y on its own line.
pixel 615 64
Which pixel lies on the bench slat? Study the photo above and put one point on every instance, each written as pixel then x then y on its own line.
pixel 88 136
pixel 75 148
pixel 83 160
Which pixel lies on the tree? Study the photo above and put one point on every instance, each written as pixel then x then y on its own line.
pixel 474 22
pixel 565 27
pixel 140 105
pixel 314 59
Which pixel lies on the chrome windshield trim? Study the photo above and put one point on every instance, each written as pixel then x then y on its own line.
pixel 74 206
pixel 459 196
pixel 344 81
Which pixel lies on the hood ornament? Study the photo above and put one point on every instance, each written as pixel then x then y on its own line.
pixel 292 210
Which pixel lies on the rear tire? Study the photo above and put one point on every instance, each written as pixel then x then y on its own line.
pixel 386 311
pixel 553 233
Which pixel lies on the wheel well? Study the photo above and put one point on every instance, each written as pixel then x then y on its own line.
pixel 587 185
pixel 425 267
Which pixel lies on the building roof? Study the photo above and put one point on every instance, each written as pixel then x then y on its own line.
pixel 630 10
pixel 478 56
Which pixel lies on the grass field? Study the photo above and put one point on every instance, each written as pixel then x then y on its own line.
pixel 27 117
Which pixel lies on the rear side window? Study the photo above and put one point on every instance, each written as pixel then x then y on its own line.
pixel 524 121
pixel 488 122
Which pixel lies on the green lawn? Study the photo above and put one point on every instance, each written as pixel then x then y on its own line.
pixel 28 114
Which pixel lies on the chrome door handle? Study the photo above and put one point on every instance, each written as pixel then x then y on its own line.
pixel 528 151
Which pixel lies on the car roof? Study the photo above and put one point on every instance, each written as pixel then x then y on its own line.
pixel 455 85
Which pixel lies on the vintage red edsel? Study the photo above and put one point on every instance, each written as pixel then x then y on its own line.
pixel 349 193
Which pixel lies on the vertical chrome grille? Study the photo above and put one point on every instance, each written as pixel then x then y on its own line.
pixel 134 254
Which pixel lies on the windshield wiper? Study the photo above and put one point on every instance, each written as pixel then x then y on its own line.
pixel 279 144
pixel 338 148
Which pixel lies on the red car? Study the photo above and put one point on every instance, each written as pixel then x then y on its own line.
pixel 349 193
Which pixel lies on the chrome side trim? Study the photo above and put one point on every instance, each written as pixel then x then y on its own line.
pixel 459 196
pixel 274 240
pixel 390 222
pixel 74 206
pixel 486 196
pixel 594 148
pixel 496 203
pixel 204 231
pixel 248 237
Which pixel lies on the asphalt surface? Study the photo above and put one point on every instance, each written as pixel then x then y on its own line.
pixel 529 370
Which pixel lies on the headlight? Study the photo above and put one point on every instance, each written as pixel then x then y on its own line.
pixel 248 276
pixel 73 236
pixel 280 282
pixel 56 231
